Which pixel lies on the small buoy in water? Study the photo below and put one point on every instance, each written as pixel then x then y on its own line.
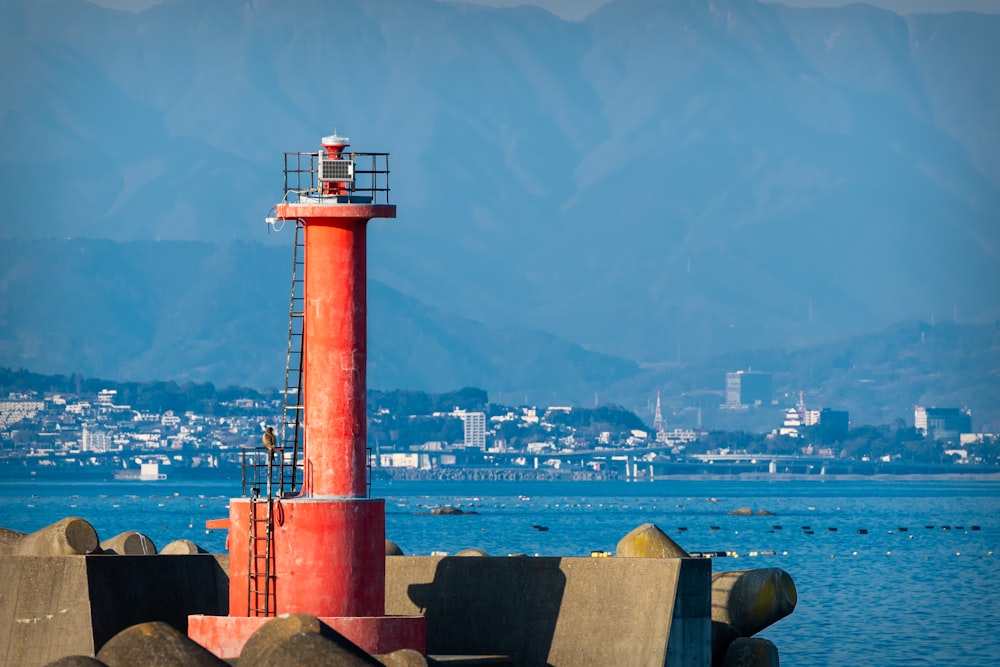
pixel 888 553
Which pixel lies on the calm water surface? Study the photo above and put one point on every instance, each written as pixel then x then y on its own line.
pixel 919 588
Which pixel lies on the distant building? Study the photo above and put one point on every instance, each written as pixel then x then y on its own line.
pixel 833 425
pixel 746 388
pixel 791 424
pixel 11 412
pixel 474 427
pixel 942 423
pixel 94 441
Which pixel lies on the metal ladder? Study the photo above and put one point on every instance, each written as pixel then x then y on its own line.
pixel 292 406
pixel 260 573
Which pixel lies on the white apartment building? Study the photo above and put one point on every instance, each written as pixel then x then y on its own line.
pixel 474 426
pixel 94 441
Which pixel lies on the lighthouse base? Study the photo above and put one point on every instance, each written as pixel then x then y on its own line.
pixel 376 635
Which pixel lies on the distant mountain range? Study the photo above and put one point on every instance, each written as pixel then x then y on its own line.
pixel 656 187
pixel 197 311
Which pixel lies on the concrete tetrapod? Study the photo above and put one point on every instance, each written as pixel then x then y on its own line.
pixel 129 543
pixel 181 548
pixel 751 600
pixel 71 536
pixel 751 652
pixel 405 657
pixel 471 552
pixel 76 661
pixel 9 539
pixel 648 541
pixel 301 639
pixel 392 549
pixel 155 644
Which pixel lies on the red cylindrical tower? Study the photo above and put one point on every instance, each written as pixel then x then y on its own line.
pixel 327 554
pixel 335 350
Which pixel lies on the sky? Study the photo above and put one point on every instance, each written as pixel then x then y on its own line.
pixel 575 10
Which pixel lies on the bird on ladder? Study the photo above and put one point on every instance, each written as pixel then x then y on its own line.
pixel 270 442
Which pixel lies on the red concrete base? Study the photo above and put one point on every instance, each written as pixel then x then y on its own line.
pixel 225 635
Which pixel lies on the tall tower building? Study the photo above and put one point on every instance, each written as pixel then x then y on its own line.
pixel 474 428
pixel 658 416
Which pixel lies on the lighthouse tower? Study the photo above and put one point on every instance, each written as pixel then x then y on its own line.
pixel 323 550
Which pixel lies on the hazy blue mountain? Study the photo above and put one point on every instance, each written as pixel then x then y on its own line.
pixel 186 310
pixel 183 310
pixel 663 181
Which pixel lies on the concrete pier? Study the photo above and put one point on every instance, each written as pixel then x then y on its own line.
pixel 56 606
pixel 571 612
pixel 646 609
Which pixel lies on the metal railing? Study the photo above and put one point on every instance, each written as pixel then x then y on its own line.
pixel 282 475
pixel 370 184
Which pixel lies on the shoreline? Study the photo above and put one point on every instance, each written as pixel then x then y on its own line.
pixel 508 475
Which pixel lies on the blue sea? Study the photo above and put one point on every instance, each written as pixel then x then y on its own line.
pixel 898 572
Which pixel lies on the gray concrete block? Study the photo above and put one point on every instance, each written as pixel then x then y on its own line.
pixel 126 590
pixel 57 606
pixel 392 549
pixel 558 611
pixel 44 610
pixel 155 644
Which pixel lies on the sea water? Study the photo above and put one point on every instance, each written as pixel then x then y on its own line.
pixel 888 572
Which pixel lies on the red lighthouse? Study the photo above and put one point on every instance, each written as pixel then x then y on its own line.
pixel 320 549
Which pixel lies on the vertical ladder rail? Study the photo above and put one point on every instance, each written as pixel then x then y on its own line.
pixel 292 408
pixel 260 537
